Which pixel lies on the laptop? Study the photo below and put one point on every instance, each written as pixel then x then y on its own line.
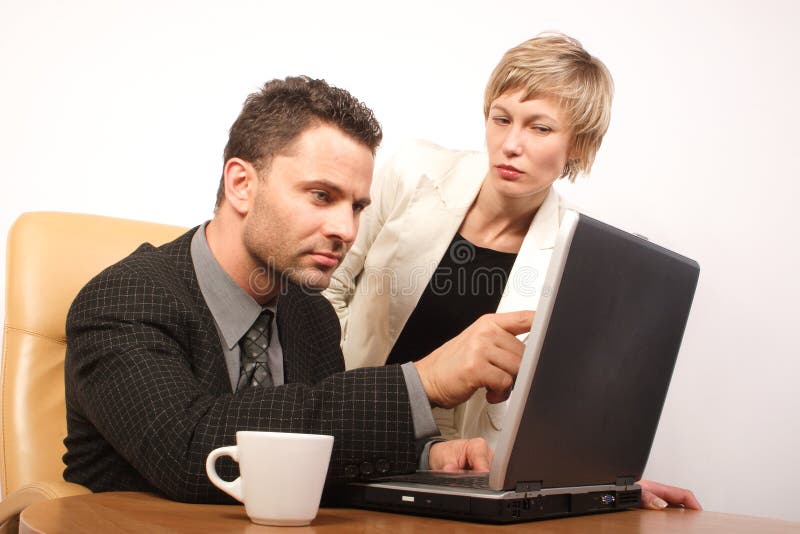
pixel 586 402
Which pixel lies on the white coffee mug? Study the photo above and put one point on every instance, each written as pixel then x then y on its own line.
pixel 281 475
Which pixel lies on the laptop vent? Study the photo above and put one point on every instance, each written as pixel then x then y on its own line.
pixel 627 498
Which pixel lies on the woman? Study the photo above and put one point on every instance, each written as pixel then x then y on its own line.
pixel 447 229
pixel 452 235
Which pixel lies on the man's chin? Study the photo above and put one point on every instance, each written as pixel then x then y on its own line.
pixel 311 279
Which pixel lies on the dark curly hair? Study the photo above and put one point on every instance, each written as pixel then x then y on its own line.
pixel 274 117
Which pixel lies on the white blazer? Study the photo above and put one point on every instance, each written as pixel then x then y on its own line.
pixel 419 200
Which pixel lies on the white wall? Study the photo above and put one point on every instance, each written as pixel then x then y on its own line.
pixel 122 108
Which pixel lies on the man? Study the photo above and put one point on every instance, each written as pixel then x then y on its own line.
pixel 174 349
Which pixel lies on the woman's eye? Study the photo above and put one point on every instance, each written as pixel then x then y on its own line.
pixel 542 129
pixel 501 120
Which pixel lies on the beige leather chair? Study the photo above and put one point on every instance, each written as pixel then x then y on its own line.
pixel 50 256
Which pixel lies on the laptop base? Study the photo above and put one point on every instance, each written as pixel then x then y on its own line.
pixel 502 507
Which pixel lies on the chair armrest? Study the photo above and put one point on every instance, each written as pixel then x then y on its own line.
pixel 17 501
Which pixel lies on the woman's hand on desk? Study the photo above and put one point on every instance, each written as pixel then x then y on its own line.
pixel 657 496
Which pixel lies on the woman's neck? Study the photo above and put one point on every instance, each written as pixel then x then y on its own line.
pixel 498 222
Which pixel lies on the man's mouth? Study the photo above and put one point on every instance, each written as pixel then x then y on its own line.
pixel 328 259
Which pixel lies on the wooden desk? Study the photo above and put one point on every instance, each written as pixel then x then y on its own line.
pixel 140 512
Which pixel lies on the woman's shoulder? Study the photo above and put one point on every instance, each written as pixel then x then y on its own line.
pixel 416 158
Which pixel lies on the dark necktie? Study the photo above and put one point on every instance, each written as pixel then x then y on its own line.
pixel 254 370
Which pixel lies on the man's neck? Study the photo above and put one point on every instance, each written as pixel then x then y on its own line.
pixel 225 241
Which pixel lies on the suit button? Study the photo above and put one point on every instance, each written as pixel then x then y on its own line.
pixel 382 466
pixel 350 471
pixel 365 468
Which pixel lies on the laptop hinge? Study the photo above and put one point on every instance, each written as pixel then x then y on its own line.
pixel 625 480
pixel 524 487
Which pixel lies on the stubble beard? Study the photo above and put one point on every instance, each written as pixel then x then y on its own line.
pixel 273 272
pixel 276 261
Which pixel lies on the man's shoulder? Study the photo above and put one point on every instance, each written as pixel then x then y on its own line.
pixel 148 258
pixel 161 268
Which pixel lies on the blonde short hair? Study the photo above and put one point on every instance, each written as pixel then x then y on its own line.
pixel 555 65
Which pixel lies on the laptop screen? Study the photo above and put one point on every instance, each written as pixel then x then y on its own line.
pixel 598 361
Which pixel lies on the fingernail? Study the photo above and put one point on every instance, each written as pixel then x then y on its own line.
pixel 658 502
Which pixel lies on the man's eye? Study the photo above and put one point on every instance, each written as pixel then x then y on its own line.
pixel 320 196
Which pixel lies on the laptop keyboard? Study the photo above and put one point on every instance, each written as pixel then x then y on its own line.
pixel 455 480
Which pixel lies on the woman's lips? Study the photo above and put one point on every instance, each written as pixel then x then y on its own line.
pixel 508 172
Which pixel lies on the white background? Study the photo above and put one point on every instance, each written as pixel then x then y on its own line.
pixel 122 108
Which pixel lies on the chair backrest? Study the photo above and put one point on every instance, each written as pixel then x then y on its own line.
pixel 50 257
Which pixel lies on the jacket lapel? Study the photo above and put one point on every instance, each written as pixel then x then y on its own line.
pixel 527 275
pixel 296 342
pixel 423 233
pixel 207 360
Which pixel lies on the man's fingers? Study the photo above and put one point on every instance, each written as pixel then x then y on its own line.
pixel 496 396
pixel 479 455
pixel 508 360
pixel 516 323
pixel 497 383
pixel 480 462
pixel 509 342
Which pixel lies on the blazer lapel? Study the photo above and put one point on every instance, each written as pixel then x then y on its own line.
pixel 207 359
pixel 423 233
pixel 527 275
pixel 296 343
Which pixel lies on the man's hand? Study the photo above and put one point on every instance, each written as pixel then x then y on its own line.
pixel 657 496
pixel 486 354
pixel 458 454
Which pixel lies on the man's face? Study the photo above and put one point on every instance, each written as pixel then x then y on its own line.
pixel 304 212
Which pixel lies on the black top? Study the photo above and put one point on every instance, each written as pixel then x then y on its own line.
pixel 468 283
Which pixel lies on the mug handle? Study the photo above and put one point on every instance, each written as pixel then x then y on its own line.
pixel 234 489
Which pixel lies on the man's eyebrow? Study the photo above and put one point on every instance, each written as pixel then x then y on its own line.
pixel 326 184
pixel 363 202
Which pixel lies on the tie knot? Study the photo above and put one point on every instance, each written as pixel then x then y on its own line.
pixel 254 361
pixel 258 337
pixel 263 322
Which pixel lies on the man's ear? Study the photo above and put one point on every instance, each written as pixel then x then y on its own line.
pixel 240 177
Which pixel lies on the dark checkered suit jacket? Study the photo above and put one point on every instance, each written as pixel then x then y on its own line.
pixel 148 393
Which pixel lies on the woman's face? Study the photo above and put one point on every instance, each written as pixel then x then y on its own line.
pixel 528 143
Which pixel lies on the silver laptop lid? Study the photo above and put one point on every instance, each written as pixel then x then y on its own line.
pixel 597 362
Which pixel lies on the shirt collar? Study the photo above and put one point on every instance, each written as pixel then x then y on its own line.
pixel 233 309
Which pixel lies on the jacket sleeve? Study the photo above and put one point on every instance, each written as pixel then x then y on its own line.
pixel 137 373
